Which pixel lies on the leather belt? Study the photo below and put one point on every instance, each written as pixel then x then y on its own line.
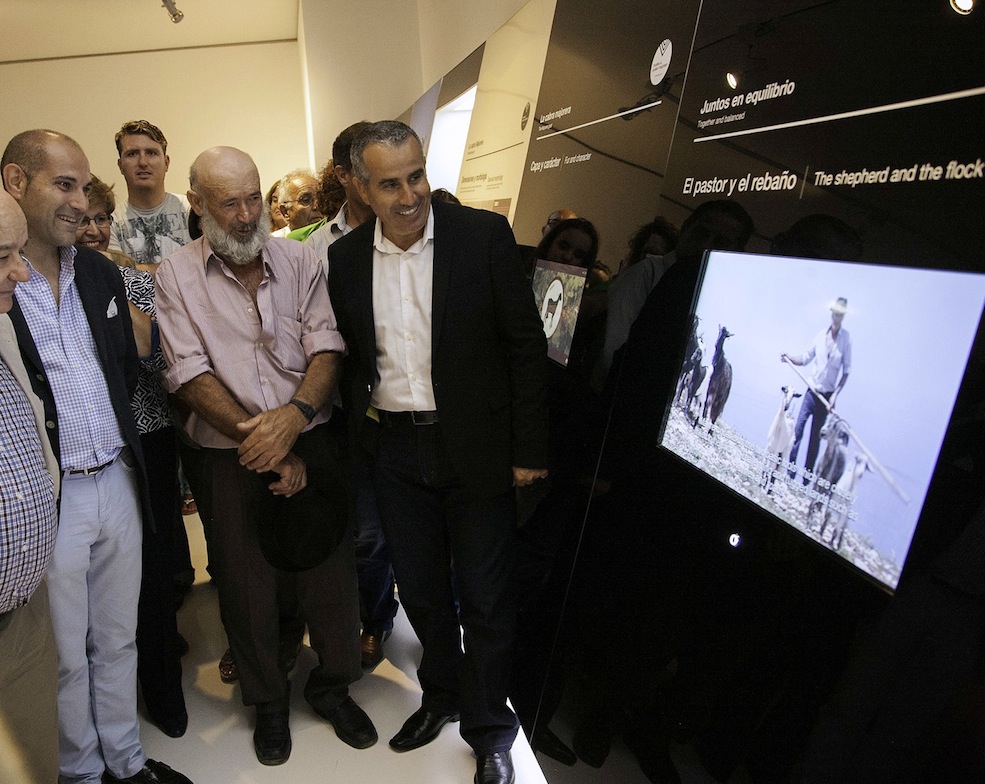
pixel 409 417
pixel 95 470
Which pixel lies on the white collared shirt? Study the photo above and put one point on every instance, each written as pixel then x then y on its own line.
pixel 402 286
pixel 321 238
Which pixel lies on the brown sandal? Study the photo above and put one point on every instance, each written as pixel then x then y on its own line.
pixel 228 671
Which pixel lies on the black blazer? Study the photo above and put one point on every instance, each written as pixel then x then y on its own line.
pixel 489 352
pixel 98 281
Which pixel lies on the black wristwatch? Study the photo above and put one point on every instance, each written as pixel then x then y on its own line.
pixel 308 411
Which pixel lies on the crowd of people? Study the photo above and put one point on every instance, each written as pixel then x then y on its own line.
pixel 349 375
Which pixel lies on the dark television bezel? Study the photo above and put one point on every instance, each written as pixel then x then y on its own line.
pixel 977 348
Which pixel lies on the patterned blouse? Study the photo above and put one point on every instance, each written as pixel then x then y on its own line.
pixel 150 403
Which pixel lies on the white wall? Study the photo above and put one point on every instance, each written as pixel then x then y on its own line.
pixel 354 60
pixel 248 96
pixel 371 60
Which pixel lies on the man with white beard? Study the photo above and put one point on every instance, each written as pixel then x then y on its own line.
pixel 250 338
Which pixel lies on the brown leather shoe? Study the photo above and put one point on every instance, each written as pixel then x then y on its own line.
pixel 371 647
pixel 228 671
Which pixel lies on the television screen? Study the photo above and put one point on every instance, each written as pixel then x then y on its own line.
pixel 821 392
pixel 557 292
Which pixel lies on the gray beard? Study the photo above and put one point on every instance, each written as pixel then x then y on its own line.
pixel 232 250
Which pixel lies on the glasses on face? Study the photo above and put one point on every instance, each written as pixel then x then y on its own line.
pixel 102 220
pixel 305 200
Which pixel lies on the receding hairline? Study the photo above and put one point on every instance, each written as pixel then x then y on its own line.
pixel 29 149
pixel 388 133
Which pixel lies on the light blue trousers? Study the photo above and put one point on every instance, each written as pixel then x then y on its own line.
pixel 94 582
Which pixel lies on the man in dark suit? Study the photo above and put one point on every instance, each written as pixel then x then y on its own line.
pixel 75 335
pixel 446 378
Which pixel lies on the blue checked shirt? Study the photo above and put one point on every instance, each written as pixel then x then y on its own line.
pixel 89 434
pixel 27 498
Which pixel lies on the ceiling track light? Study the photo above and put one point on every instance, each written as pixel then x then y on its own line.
pixel 176 15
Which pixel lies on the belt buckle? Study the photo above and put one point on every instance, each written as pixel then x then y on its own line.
pixel 423 417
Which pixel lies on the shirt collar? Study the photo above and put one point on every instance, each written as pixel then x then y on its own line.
pixel 383 245
pixel 66 259
pixel 338 224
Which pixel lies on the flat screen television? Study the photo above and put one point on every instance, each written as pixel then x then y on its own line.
pixel 557 291
pixel 773 335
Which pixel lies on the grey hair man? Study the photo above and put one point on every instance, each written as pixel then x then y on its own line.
pixel 447 348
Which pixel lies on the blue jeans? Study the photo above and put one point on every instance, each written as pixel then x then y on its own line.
pixel 810 407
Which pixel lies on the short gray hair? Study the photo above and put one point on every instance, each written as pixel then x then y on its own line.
pixel 392 133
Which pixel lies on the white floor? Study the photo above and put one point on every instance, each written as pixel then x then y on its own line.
pixel 218 746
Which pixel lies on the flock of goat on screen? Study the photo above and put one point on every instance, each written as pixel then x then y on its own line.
pixel 702 397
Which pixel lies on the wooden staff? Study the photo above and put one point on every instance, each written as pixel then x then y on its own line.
pixel 871 457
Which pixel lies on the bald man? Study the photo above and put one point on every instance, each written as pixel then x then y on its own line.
pixel 29 478
pixel 75 335
pixel 250 338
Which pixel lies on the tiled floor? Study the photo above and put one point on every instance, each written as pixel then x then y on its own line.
pixel 218 747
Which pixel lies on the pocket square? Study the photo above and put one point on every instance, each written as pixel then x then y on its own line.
pixel 112 310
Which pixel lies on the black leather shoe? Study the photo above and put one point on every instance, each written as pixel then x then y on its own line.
pixel 494 768
pixel 420 729
pixel 153 772
pixel 272 737
pixel 171 723
pixel 371 647
pixel 351 724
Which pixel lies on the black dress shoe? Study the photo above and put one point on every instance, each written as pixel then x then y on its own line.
pixel 351 724
pixel 272 737
pixel 153 772
pixel 494 768
pixel 420 729
pixel 171 723
pixel 371 647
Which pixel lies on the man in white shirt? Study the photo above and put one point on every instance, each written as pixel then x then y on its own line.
pixel 152 223
pixel 830 359
pixel 446 344
pixel 354 211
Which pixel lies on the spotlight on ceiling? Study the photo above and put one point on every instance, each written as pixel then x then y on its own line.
pixel 963 7
pixel 732 79
pixel 176 15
